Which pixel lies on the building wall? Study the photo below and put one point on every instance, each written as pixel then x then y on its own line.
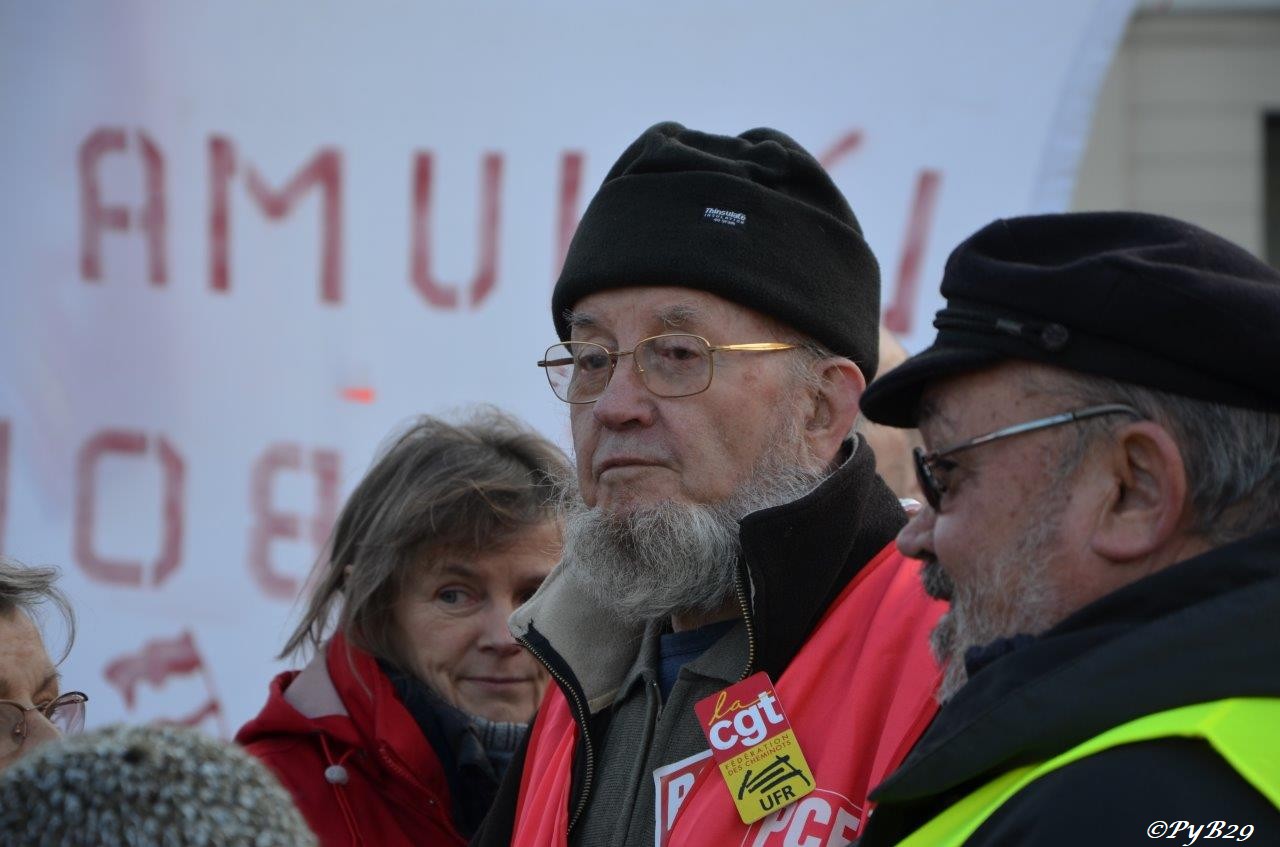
pixel 1180 121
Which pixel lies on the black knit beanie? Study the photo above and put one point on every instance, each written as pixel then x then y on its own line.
pixel 753 219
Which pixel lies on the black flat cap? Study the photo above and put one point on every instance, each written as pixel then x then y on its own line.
pixel 752 218
pixel 1139 298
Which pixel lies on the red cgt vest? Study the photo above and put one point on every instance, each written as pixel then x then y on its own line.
pixel 858 695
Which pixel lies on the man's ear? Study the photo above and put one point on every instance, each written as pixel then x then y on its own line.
pixel 835 406
pixel 1149 493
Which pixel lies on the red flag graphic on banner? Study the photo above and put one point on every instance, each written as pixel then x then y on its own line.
pixel 159 660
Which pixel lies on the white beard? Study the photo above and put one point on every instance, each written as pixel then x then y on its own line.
pixel 676 558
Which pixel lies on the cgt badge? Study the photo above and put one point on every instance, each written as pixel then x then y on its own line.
pixel 754 746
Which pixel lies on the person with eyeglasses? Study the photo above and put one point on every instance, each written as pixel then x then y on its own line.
pixel 1101 469
pixel 717 319
pixel 32 711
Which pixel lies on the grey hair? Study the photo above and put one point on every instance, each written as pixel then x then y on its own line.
pixel 439 487
pixel 1231 454
pixel 809 378
pixel 803 363
pixel 27 589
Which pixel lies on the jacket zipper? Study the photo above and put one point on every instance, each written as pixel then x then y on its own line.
pixel 580 712
pixel 404 773
pixel 744 604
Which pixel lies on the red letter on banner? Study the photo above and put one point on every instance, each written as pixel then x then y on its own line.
pixel 897 318
pixel 128 571
pixel 325 465
pixel 222 167
pixel 844 145
pixel 324 170
pixel 437 293
pixel 570 186
pixel 94 217
pixel 271 525
pixel 154 213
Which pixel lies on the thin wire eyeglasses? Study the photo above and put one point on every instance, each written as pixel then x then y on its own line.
pixel 931 467
pixel 670 365
pixel 65 712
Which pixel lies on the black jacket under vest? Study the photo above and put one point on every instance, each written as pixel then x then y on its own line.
pixel 796 559
pixel 1205 629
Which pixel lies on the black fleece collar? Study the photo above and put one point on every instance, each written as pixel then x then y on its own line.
pixel 800 555
pixel 1201 630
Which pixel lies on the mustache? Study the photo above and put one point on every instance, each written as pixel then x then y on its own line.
pixel 645 447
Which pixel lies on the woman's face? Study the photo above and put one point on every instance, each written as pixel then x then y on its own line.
pixel 452 622
pixel 27 677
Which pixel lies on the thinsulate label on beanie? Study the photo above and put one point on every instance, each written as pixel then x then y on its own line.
pixel 724 216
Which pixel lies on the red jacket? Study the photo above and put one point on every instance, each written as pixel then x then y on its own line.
pixel 352 756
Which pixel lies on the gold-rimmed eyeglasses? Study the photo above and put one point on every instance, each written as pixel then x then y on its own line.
pixel 65 712
pixel 670 365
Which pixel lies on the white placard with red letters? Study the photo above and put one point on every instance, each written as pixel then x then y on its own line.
pixel 240 242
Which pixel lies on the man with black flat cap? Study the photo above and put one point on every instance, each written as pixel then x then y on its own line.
pixel 1101 415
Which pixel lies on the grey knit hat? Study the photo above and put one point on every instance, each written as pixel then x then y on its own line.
pixel 146 785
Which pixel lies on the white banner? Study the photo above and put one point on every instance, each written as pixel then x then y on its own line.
pixel 240 242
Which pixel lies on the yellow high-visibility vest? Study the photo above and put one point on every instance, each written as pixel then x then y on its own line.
pixel 1244 731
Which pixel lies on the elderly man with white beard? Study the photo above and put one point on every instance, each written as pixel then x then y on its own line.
pixel 738 647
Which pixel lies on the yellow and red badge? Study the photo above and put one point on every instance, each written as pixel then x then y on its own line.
pixel 752 742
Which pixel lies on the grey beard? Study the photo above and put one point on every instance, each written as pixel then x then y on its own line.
pixel 673 558
pixel 1012 596
pixel 942 641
